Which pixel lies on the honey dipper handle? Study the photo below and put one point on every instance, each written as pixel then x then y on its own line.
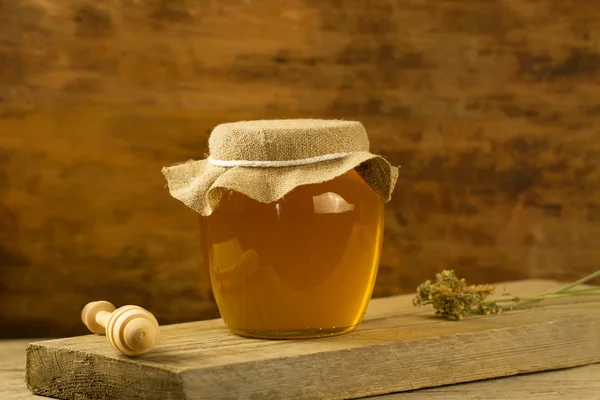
pixel 102 318
pixel 91 310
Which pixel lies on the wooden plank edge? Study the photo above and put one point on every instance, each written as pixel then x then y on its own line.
pixel 68 374
pixel 402 366
pixel 377 369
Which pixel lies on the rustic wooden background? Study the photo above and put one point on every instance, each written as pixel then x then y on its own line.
pixel 492 107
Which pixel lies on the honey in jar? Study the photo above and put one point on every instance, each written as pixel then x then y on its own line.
pixel 291 222
pixel 301 266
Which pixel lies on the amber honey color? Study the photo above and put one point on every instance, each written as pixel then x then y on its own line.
pixel 303 266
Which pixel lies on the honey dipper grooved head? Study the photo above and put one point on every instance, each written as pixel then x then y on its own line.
pixel 132 330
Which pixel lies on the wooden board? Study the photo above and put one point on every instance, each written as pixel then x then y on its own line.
pixel 398 348
pixel 491 107
pixel 579 383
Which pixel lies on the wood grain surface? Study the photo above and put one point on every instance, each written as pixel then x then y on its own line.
pixel 579 383
pixel 396 349
pixel 491 107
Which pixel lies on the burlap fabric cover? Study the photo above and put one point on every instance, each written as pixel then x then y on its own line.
pixel 266 159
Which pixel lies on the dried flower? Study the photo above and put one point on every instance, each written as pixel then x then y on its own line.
pixel 453 299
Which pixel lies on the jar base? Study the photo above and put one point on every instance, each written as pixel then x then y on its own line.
pixel 294 334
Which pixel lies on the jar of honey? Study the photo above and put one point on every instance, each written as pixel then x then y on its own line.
pixel 291 223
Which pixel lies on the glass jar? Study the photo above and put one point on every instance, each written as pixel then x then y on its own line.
pixel 302 266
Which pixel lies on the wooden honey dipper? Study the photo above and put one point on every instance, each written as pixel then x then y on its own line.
pixel 131 330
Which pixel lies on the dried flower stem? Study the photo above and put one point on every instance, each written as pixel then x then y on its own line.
pixel 592 289
pixel 567 291
pixel 452 298
pixel 543 297
pixel 580 282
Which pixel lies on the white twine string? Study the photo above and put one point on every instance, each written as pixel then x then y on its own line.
pixel 278 163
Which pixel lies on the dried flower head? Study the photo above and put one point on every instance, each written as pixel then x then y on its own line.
pixel 452 298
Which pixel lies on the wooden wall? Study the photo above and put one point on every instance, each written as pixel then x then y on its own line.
pixel 491 106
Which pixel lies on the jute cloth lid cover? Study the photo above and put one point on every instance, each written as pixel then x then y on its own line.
pixel 267 159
